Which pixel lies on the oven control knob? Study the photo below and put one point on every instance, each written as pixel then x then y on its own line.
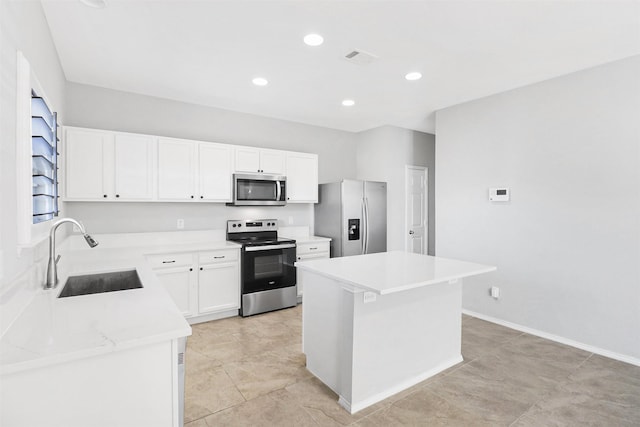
pixel 268 223
pixel 239 225
pixel 235 225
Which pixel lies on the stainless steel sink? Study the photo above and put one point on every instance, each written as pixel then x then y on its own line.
pixel 100 283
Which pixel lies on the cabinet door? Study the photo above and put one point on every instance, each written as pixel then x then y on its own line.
pixel 302 178
pixel 218 287
pixel 247 159
pixel 134 167
pixel 179 284
pixel 272 162
pixel 308 257
pixel 176 169
pixel 88 158
pixel 215 168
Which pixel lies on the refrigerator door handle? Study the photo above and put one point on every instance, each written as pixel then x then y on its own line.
pixel 363 228
pixel 366 230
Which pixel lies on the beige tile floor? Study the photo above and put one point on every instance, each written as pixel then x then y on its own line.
pixel 250 372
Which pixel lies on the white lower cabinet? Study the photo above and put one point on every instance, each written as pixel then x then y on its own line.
pixel 179 284
pixel 307 251
pixel 200 283
pixel 218 281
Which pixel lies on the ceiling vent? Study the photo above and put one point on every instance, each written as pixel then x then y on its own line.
pixel 360 57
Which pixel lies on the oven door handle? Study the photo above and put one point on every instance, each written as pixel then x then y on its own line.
pixel 269 247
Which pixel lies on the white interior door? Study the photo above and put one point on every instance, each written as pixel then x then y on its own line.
pixel 416 209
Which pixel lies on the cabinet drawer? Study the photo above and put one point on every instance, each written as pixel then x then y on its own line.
pixel 218 256
pixel 306 257
pixel 169 260
pixel 310 248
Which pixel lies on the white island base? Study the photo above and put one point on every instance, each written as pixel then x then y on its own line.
pixel 374 325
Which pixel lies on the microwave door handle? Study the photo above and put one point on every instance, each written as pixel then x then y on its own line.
pixel 278 191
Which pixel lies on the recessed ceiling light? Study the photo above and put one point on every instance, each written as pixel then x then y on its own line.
pixel 348 102
pixel 96 4
pixel 259 81
pixel 313 39
pixel 413 76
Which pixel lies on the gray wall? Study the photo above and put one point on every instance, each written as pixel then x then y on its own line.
pixel 383 154
pixel 23 27
pixel 93 107
pixel 567 245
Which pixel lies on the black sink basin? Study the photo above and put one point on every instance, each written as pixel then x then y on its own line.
pixel 100 283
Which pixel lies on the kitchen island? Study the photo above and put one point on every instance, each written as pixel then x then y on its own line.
pixel 376 324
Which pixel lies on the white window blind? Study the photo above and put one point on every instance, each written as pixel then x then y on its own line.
pixel 44 160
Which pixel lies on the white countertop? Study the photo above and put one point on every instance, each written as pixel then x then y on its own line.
pixel 301 240
pixel 52 330
pixel 389 272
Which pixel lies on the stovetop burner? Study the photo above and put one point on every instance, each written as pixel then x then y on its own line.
pixel 264 242
pixel 261 232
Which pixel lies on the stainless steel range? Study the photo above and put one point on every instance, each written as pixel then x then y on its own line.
pixel 268 275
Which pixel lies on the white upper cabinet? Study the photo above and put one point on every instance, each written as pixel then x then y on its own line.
pixel 302 178
pixel 102 165
pixel 256 160
pixel 85 155
pixel 176 169
pixel 133 163
pixel 272 161
pixel 215 170
pixel 247 159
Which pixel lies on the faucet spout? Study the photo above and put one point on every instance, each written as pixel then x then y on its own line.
pixel 52 264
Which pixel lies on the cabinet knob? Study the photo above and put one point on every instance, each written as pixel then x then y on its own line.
pixel 104 195
pixel 192 197
pixel 191 269
pixel 200 268
pixel 117 195
pixel 202 197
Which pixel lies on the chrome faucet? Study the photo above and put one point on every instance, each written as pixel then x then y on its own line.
pixel 52 265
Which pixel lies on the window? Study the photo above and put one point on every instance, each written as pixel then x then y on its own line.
pixel 44 159
pixel 36 158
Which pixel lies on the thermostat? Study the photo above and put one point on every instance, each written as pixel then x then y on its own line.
pixel 499 194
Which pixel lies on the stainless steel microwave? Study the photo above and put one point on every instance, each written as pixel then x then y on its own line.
pixel 259 190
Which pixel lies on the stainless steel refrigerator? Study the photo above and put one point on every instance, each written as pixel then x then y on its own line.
pixel 354 214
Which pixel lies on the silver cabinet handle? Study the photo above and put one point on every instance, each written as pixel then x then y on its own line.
pixel 168 262
pixel 218 257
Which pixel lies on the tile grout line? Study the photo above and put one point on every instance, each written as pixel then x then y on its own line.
pixel 567 380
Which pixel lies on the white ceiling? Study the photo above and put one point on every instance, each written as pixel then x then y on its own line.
pixel 207 52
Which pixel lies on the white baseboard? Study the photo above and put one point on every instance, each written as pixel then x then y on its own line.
pixel 212 316
pixel 562 340
pixel 353 408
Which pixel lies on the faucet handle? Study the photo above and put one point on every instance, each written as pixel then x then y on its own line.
pixel 58 258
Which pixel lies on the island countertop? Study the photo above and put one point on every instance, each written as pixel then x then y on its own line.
pixel 396 271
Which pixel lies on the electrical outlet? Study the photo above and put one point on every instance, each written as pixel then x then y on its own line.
pixel 290 220
pixel 180 224
pixel 369 297
pixel 495 292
